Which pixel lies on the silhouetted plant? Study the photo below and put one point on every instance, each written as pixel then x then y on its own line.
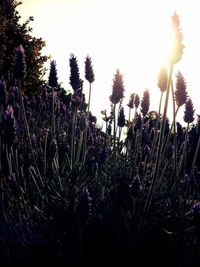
pixel 137 101
pixel 145 103
pixel 89 73
pixel 131 105
pixel 117 88
pixel 189 111
pixel 180 92
pixel 53 83
pixel 58 188
pixel 53 79
pixel 75 80
pixel 177 46
pixel 116 97
pixel 89 76
pixel 131 101
pixel 121 118
pixel 162 79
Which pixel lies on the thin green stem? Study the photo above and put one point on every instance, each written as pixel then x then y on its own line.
pixel 160 145
pixel 195 155
pixel 182 160
pixel 155 138
pixel 28 131
pixel 114 133
pixel 73 138
pixel 52 115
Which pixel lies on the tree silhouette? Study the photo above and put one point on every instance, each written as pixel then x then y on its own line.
pixel 12 36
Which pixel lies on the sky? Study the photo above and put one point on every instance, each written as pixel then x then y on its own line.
pixel 133 36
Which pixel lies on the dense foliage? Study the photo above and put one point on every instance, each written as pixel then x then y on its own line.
pixel 12 35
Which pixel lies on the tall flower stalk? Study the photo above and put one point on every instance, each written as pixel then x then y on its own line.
pixel 76 84
pixel 198 145
pixel 116 96
pixel 162 85
pixel 53 83
pixel 19 75
pixel 89 76
pixel 175 56
pixel 131 105
pixel 188 118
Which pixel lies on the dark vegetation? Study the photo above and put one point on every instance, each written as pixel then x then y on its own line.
pixel 72 194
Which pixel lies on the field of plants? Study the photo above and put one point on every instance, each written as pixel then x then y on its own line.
pixel 72 194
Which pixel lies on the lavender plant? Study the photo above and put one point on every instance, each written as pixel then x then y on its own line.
pixel 64 179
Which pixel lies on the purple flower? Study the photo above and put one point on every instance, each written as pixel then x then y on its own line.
pixel 10 112
pixel 20 65
pixel 53 80
pixel 180 93
pixel 131 101
pixel 117 88
pixel 9 126
pixel 189 111
pixel 196 207
pixel 89 74
pixel 12 177
pixel 145 103
pixel 75 80
pixel 162 79
pixel 137 101
pixel 121 118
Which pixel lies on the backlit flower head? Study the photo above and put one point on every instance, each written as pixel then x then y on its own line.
pixel 189 111
pixel 117 88
pixel 53 80
pixel 137 101
pixel 89 74
pixel 196 208
pixel 75 80
pixel 162 79
pixel 121 118
pixel 131 101
pixel 180 92
pixel 145 103
pixel 177 46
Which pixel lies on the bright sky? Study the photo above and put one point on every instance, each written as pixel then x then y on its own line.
pixel 132 35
